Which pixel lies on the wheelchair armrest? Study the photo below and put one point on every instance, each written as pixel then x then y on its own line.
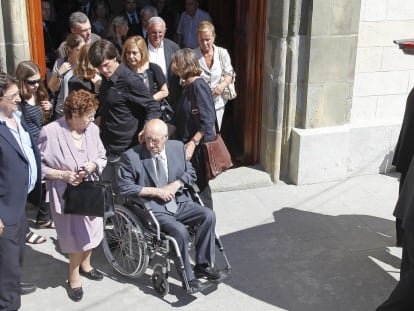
pixel 139 201
pixel 192 188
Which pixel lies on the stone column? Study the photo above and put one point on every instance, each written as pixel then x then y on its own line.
pixel 309 68
pixel 284 62
pixel 14 38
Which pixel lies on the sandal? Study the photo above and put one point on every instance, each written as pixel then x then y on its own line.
pixel 34 238
pixel 46 224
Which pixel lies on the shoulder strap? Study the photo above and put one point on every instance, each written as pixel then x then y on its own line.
pixel 195 111
pixel 221 59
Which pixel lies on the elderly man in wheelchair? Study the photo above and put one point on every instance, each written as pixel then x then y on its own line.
pixel 158 174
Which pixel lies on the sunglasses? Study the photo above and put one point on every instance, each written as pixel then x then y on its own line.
pixel 33 82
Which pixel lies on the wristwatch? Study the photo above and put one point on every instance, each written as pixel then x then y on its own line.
pixel 195 141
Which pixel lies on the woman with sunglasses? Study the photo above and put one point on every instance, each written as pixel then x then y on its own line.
pixel 36 109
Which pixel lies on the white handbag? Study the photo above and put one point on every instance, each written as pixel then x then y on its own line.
pixel 229 91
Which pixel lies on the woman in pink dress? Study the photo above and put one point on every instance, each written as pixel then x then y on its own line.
pixel 72 151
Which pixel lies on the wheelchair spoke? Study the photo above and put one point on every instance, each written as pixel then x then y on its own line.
pixel 124 244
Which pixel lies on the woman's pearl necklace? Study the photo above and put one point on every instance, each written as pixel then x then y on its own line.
pixel 77 137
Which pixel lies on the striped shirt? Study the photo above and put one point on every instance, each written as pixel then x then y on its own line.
pixel 32 115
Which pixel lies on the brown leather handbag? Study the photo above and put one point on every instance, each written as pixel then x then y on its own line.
pixel 217 157
pixel 216 154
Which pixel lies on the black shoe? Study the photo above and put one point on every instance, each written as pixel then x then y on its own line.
pixel 208 272
pixel 195 285
pixel 27 288
pixel 94 274
pixel 76 293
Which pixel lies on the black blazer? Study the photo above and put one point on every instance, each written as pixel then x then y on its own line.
pixel 14 176
pixel 173 81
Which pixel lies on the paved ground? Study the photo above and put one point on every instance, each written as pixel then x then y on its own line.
pixel 320 247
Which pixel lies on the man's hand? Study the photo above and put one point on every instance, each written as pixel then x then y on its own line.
pixel 162 194
pixel 1 227
pixel 166 193
pixel 173 187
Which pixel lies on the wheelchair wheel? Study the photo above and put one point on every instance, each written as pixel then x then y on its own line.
pixel 159 281
pixel 124 244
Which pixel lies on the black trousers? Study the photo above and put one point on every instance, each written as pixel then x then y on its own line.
pixel 402 297
pixel 12 244
pixel 198 162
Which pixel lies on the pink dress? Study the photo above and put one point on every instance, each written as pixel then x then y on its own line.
pixel 58 151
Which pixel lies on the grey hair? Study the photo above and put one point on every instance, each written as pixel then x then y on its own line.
pixel 149 9
pixel 77 18
pixel 6 81
pixel 155 20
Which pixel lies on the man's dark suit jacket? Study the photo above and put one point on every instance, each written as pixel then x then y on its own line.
pixel 134 29
pixel 14 177
pixel 174 88
pixel 137 171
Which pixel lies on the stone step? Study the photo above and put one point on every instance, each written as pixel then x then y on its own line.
pixel 241 178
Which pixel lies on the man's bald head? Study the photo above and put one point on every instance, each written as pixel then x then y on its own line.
pixel 155 134
pixel 157 127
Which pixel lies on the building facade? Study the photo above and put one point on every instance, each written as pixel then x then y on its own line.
pixel 333 83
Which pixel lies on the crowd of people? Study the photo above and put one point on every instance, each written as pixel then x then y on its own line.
pixel 100 100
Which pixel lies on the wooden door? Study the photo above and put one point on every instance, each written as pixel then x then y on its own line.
pixel 34 21
pixel 240 28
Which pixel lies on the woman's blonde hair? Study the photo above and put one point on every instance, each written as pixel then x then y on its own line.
pixel 205 26
pixel 139 42
pixel 117 21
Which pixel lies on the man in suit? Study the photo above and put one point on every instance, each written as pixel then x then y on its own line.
pixel 19 175
pixel 160 52
pixel 158 171
pixel 131 13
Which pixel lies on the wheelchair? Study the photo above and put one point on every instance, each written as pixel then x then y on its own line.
pixel 133 239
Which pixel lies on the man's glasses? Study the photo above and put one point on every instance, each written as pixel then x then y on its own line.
pixel 155 140
pixel 33 82
pixel 11 97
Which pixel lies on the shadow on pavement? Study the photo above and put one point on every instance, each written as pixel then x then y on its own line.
pixel 301 261
pixel 309 261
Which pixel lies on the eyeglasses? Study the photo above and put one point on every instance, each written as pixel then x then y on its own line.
pixel 155 140
pixel 33 82
pixel 11 97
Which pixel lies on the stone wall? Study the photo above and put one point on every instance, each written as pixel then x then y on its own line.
pixel 14 38
pixel 384 75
